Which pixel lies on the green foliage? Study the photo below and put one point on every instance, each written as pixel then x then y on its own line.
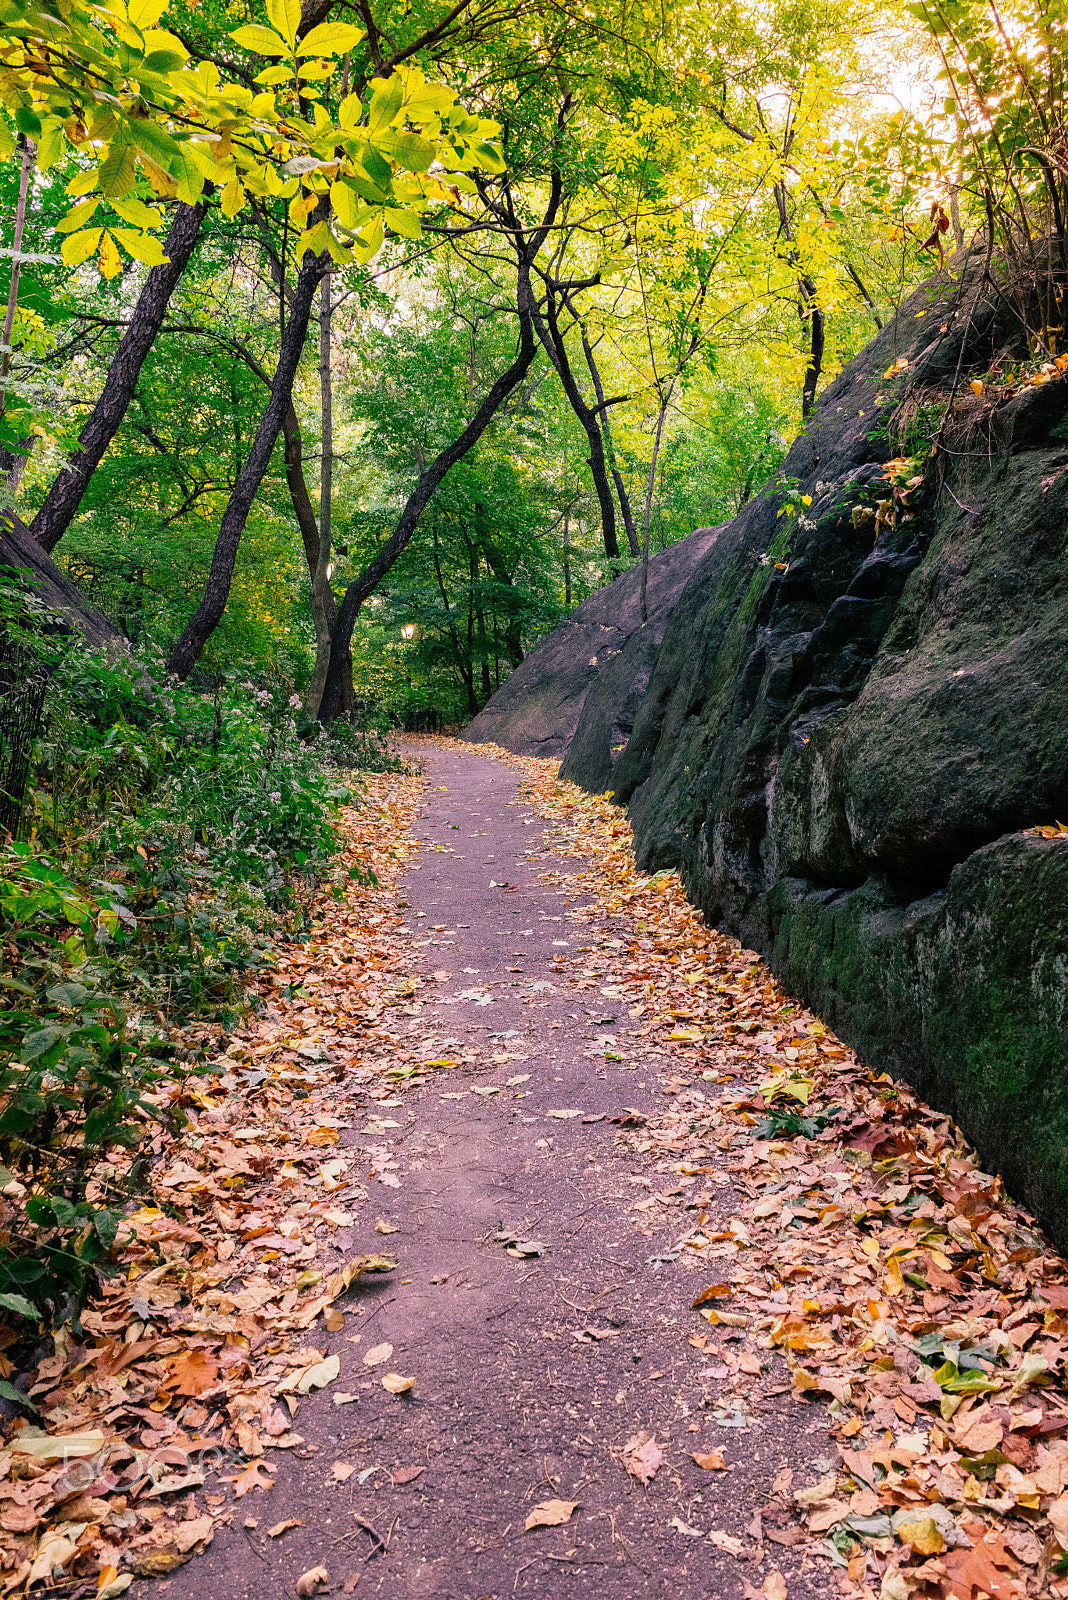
pixel 174 836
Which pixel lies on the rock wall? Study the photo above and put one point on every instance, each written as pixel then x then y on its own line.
pixel 535 712
pixel 846 736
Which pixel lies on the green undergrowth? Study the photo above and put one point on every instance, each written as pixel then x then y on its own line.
pixel 171 838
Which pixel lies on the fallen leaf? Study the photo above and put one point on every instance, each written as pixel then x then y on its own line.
pixel 724 1541
pixel 158 1563
pixel 312 1581
pixel 342 1471
pixel 283 1527
pixel 333 1319
pixel 715 1291
pixel 377 1354
pixel 195 1530
pixel 550 1514
pixel 710 1460
pixel 684 1528
pixel 396 1384
pixel 344 1399
pixel 386 1227
pixel 250 1478
pixel 986 1567
pixel 319 1375
pixel 921 1535
pixel 407 1474
pixel 563 1115
pixel 642 1456
pixel 192 1372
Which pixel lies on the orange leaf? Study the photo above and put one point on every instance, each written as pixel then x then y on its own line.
pixel 192 1372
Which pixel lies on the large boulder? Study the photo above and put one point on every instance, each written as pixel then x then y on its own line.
pixel 536 711
pixel 855 721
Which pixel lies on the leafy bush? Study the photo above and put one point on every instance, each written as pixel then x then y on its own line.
pixel 172 835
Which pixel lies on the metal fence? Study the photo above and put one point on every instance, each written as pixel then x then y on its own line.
pixel 23 681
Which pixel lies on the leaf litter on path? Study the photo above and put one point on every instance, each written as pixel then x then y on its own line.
pixel 188 1354
pixel 902 1288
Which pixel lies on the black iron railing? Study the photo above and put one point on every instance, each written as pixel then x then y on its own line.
pixel 23 680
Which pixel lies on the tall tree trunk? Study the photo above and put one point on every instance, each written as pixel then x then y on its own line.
pixel 372 575
pixel 323 604
pixel 557 352
pixel 664 401
pixel 13 462
pixel 208 614
pixel 610 450
pixel 815 359
pixel 304 512
pixel 65 496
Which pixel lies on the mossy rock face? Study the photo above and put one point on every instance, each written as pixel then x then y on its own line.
pixel 964 994
pixel 845 734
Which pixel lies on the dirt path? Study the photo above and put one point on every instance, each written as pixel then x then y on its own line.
pixel 687 1301
pixel 534 1372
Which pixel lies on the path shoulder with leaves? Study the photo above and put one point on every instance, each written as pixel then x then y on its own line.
pixel 528 1237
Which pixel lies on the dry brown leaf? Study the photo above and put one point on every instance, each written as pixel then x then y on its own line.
pixel 642 1456
pixel 710 1460
pixel 551 1514
pixel 407 1474
pixel 283 1527
pixel 724 1541
pixel 397 1384
pixel 342 1471
pixel 774 1586
pixel 312 1581
pixel 257 1475
pixel 195 1530
pixel 377 1354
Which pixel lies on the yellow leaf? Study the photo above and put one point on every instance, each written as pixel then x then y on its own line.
pixel 284 16
pixel 232 199
pixel 976 386
pixel 330 39
pixel 870 1247
pixel 894 1283
pixel 109 261
pixel 145 13
pixel 262 40
pixel 142 246
pixel 77 217
pixel 922 1536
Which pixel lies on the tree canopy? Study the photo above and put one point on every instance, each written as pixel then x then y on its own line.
pixel 359 343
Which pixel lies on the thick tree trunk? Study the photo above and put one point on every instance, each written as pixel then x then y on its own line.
pixel 372 575
pixel 208 614
pixel 65 496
